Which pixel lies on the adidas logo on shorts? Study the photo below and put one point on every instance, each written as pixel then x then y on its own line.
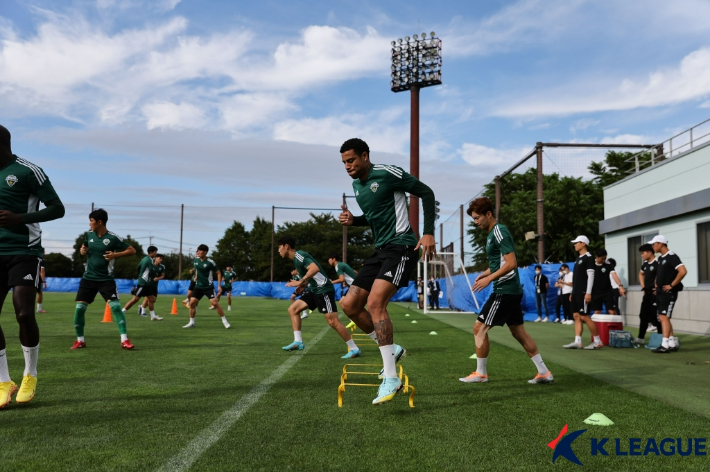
pixel 28 277
pixel 388 274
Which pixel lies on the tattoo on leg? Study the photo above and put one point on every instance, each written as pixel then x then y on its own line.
pixel 383 329
pixel 354 290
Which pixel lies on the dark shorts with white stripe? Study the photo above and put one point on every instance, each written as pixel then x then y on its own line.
pixel 391 262
pixel 502 309
pixel 145 291
pixel 325 302
pixel 665 302
pixel 19 271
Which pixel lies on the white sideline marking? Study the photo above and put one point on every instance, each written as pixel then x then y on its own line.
pixel 211 434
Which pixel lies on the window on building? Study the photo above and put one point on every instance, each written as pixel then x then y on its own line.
pixel 634 256
pixel 704 252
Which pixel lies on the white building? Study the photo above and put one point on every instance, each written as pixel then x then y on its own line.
pixel 669 197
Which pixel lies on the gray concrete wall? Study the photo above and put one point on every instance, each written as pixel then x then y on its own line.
pixel 690 315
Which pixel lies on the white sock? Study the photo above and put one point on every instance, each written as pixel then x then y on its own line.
pixel 123 310
pixel 297 337
pixel 541 368
pixel 229 307
pixel 186 300
pixel 482 365
pixel 80 339
pixel 124 337
pixel 192 321
pixel 351 345
pixel 152 313
pixel 4 372
pixel 373 335
pixel 224 321
pixel 39 306
pixel 388 360
pixel 671 341
pixel 31 354
pixel 665 342
pixel 597 340
pixel 578 339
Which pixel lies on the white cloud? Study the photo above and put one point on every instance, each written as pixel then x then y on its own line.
pixel 172 115
pixel 628 139
pixel 478 155
pixel 581 125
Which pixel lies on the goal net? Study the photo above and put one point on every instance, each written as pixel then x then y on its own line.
pixel 456 295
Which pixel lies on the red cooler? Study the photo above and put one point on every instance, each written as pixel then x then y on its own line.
pixel 606 323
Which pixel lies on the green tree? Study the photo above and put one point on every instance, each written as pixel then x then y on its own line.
pixel 233 248
pixel 260 250
pixel 58 265
pixel 124 267
pixel 615 167
pixel 171 261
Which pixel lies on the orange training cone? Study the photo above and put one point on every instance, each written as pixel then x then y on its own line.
pixel 174 310
pixel 107 315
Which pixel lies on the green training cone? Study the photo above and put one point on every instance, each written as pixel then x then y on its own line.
pixel 473 357
pixel 414 321
pixel 599 420
pixel 433 332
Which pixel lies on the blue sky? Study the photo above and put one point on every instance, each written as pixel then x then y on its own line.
pixel 219 104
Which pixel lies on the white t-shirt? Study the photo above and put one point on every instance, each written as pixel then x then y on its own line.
pixel 614 285
pixel 566 289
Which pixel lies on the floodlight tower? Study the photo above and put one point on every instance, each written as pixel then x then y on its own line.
pixel 416 63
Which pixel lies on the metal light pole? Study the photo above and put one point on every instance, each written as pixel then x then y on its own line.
pixel 416 63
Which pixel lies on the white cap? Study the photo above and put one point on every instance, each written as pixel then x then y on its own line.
pixel 659 239
pixel 581 239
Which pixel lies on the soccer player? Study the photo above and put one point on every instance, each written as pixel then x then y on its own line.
pixel 602 291
pixel 581 297
pixel 190 288
pixel 102 247
pixel 346 274
pixel 671 272
pixel 205 272
pixel 22 186
pixel 320 295
pixel 647 279
pixel 41 286
pixel 159 274
pixel 296 277
pixel 504 304
pixel 380 190
pixel 227 277
pixel 146 274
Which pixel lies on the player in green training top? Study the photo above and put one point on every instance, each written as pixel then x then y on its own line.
pixel 503 306
pixel 23 186
pixel 159 274
pixel 205 272
pixel 144 286
pixel 102 247
pixel 380 191
pixel 320 294
pixel 228 276
pixel 296 277
pixel 346 274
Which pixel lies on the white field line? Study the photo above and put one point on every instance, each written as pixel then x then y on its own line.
pixel 211 434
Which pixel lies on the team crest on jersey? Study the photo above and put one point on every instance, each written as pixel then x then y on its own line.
pixel 107 242
pixel 11 180
pixel 579 262
pixel 603 270
pixel 374 186
pixel 653 268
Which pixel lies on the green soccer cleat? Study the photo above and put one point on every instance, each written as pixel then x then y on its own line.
pixel 388 389
pixel 352 354
pixel 399 352
pixel 294 346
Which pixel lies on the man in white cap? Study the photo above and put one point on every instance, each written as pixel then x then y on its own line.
pixel 668 283
pixel 581 296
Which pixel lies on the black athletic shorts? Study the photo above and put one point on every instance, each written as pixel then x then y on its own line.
pixel 18 271
pixel 578 305
pixel 391 262
pixel 502 309
pixel 145 291
pixel 325 302
pixel 665 302
pixel 203 292
pixel 226 289
pixel 89 288
pixel 192 285
pixel 605 298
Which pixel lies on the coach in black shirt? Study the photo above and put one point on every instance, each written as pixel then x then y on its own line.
pixel 668 283
pixel 647 279
pixel 541 287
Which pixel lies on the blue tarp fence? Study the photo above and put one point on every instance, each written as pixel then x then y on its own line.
pixel 244 289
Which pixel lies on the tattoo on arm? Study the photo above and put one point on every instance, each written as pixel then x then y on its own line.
pixel 384 332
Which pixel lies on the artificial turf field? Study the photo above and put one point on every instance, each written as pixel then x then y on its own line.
pixel 103 408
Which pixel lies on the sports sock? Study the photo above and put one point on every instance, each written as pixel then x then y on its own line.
pixel 192 321
pixel 229 307
pixel 39 306
pixel 388 360
pixel 152 313
pixel 124 310
pixel 297 337
pixel 120 316
pixel 482 365
pixel 351 345
pixel 79 320
pixel 541 368
pixel 224 321
pixel 665 343
pixel 597 340
pixel 671 341
pixel 578 339
pixel 31 354
pixel 124 337
pixel 4 372
pixel 373 335
pixel 80 339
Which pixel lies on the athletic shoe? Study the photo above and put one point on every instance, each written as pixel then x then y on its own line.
pixel 661 350
pixel 294 346
pixel 41 311
pixel 674 348
pixel 399 352
pixel 304 315
pixel 651 329
pixel 545 320
pixel 78 345
pixel 352 354
pixel 594 346
pixel 475 377
pixel 141 311
pixel 557 320
pixel 7 389
pixel 388 389
pixel 184 303
pixel 156 318
pixel 351 326
pixel 225 323
pixel 127 344
pixel 569 322
pixel 211 307
pixel 189 325
pixel 538 320
pixel 542 379
pixel 27 389
pixel 574 345
pixel 639 341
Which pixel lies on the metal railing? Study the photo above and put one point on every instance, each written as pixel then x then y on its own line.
pixel 684 141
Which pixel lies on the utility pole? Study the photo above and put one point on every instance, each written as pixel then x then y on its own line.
pixel 540 216
pixel 273 212
pixel 182 218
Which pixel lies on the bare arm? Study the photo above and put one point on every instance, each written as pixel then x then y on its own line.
pixel 682 272
pixel 486 278
pixel 622 292
pixel 339 280
pixel 129 251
